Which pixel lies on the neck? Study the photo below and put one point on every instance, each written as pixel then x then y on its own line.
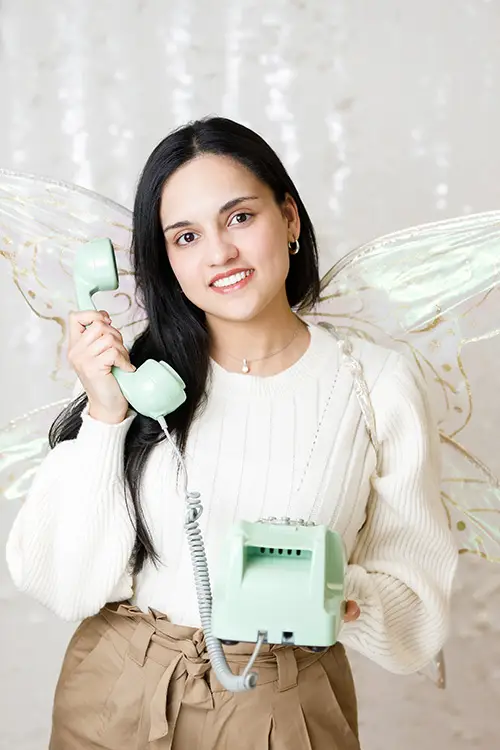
pixel 267 344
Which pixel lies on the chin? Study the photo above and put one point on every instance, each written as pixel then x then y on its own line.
pixel 238 312
pixel 236 316
pixel 243 306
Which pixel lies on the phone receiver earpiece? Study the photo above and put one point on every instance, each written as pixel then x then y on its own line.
pixel 94 271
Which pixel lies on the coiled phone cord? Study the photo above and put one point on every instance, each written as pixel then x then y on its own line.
pixel 233 683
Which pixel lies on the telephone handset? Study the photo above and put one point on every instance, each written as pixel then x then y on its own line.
pixel 154 389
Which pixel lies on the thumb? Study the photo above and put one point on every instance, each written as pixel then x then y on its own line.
pixel 352 611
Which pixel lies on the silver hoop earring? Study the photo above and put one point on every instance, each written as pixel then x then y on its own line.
pixel 294 247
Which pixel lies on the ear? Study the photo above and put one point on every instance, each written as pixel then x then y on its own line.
pixel 291 215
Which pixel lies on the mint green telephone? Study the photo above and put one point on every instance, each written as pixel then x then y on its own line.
pixel 282 581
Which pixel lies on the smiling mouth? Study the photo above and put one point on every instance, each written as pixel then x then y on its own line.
pixel 234 280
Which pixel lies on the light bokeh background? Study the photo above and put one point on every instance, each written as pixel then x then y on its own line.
pixel 386 114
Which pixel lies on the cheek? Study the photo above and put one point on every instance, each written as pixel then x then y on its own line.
pixel 270 249
pixel 183 266
pixel 189 273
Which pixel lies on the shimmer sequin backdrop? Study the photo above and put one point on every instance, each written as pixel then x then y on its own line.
pixel 386 114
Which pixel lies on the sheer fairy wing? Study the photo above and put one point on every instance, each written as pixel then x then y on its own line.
pixel 433 291
pixel 42 222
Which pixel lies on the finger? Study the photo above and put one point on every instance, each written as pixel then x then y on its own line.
pixel 103 343
pixel 115 358
pixel 82 356
pixel 352 612
pixel 96 331
pixel 80 319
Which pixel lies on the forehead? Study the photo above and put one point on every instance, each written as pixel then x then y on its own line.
pixel 205 184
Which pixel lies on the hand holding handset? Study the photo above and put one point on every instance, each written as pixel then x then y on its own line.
pixel 154 389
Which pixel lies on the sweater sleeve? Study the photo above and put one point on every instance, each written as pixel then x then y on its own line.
pixel 73 538
pixel 402 568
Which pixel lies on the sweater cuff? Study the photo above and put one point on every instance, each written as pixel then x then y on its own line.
pixel 356 585
pixel 103 444
pixel 357 589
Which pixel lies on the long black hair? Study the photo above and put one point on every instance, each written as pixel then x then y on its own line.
pixel 177 331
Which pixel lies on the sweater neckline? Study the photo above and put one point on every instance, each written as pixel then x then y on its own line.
pixel 310 364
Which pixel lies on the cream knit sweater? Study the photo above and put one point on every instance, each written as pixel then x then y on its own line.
pixel 294 444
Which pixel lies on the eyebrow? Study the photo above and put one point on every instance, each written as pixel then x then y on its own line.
pixel 222 210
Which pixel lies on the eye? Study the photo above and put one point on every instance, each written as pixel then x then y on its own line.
pixel 188 238
pixel 240 218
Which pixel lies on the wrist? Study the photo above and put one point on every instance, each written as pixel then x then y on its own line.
pixel 106 416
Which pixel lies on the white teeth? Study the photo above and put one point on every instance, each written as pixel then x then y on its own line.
pixel 234 279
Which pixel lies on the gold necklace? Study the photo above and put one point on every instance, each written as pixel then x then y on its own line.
pixel 245 367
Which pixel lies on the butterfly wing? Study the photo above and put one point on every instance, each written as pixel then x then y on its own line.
pixel 42 222
pixel 433 292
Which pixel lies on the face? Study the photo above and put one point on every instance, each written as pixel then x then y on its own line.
pixel 227 238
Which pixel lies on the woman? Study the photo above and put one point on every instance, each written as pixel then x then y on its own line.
pixel 223 251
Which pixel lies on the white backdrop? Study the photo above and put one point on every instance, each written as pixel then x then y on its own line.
pixel 386 114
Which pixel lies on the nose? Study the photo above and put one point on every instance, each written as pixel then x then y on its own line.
pixel 221 251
